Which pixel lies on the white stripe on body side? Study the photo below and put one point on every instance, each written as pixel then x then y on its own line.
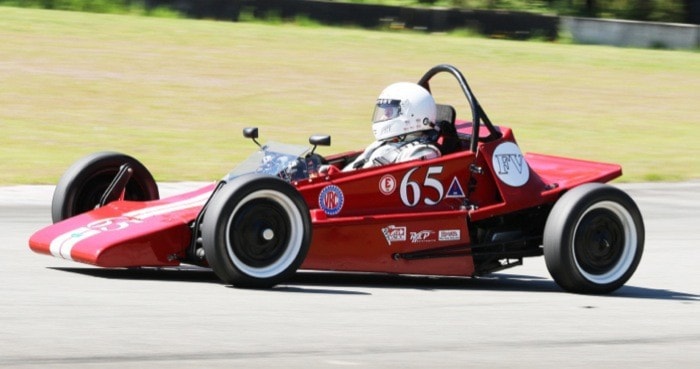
pixel 62 245
pixel 149 212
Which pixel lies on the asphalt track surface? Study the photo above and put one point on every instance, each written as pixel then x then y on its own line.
pixel 59 314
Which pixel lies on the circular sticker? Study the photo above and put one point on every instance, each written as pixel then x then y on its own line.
pixel 387 184
pixel 510 165
pixel 331 199
pixel 110 224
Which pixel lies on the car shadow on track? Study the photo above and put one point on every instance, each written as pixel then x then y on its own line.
pixel 494 282
pixel 309 281
pixel 196 275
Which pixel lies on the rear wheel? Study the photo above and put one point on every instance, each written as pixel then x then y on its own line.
pixel 256 231
pixel 593 239
pixel 83 184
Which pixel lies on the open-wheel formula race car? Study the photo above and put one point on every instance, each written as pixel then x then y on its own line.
pixel 481 207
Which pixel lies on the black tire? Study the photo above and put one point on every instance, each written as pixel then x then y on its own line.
pixel 593 239
pixel 256 231
pixel 83 184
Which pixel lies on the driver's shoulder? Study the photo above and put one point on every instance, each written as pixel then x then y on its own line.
pixel 418 149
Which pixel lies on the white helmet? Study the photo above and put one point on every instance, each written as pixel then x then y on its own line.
pixel 403 108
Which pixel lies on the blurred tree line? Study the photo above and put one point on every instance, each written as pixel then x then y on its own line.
pixel 683 11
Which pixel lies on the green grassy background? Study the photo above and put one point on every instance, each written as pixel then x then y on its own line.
pixel 176 93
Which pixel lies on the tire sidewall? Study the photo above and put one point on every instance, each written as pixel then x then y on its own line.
pixel 560 232
pixel 223 208
pixel 72 187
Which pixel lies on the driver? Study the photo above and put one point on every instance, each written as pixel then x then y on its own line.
pixel 403 125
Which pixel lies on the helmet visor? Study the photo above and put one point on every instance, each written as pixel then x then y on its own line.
pixel 386 110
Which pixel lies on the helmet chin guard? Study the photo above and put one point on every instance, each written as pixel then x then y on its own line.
pixel 403 108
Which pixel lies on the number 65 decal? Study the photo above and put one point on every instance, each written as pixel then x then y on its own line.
pixel 411 192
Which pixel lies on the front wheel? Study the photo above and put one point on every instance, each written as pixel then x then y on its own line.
pixel 256 231
pixel 83 184
pixel 593 239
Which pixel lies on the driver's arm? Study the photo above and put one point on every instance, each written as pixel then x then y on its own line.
pixel 362 159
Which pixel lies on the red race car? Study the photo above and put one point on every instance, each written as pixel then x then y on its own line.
pixel 480 207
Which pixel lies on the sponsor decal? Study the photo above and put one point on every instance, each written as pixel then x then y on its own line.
pixel 387 184
pixel 449 235
pixel 423 236
pixel 331 200
pixel 510 165
pixel 393 233
pixel 388 102
pixel 455 189
pixel 112 224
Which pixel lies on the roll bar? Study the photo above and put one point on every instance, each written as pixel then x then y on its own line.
pixel 478 114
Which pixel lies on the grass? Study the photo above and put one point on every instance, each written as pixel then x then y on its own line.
pixel 176 93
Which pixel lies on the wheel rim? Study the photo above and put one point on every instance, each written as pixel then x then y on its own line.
pixel 88 196
pixel 264 234
pixel 604 242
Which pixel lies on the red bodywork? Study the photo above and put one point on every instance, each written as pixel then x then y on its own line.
pixel 361 219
